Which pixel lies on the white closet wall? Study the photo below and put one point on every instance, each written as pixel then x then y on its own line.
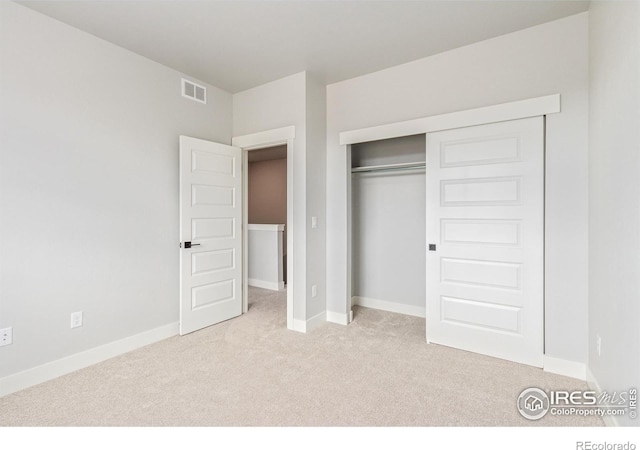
pixel 388 219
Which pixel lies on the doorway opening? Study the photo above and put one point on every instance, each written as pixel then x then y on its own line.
pixel 267 219
pixel 255 142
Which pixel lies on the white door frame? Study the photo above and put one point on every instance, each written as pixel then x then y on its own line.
pixel 522 109
pixel 256 141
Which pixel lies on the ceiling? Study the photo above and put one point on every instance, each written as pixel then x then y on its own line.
pixel 236 45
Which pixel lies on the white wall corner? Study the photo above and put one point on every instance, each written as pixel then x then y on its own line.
pixel 610 421
pixel 564 367
pixel 339 318
pixel 316 320
pixel 77 361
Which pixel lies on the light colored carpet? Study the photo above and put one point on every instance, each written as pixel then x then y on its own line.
pixel 378 371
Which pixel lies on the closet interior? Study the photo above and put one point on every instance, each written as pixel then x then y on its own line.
pixel 388 222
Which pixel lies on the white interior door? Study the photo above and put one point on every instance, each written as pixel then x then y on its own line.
pixel 210 233
pixel 485 204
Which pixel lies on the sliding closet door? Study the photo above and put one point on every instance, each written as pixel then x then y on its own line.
pixel 485 235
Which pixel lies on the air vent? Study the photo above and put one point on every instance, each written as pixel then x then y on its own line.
pixel 194 91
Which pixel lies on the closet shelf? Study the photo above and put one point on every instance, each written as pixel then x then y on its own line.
pixel 389 167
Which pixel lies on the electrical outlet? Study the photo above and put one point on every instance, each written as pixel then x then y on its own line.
pixel 76 319
pixel 599 344
pixel 314 222
pixel 314 291
pixel 6 336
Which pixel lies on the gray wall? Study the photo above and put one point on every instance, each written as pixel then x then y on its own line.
pixel 316 109
pixel 297 100
pixel 541 60
pixel 89 187
pixel 614 193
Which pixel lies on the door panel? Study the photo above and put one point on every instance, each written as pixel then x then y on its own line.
pixel 211 219
pixel 485 205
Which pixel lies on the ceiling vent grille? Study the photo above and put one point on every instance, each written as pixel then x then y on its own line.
pixel 194 91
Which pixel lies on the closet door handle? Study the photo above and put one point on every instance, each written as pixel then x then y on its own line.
pixel 432 247
pixel 188 244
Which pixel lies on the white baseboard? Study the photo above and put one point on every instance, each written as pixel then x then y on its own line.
pixel 304 326
pixel 63 366
pixel 564 367
pixel 610 421
pixel 271 285
pixel 339 318
pixel 409 310
pixel 316 320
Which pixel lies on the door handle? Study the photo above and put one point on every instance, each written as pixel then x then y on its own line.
pixel 188 244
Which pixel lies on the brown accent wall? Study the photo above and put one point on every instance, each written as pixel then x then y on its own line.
pixel 268 191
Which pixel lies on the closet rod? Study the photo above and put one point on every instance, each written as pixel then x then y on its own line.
pixel 388 167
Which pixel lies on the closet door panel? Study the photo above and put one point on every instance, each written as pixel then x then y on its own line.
pixel 485 205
